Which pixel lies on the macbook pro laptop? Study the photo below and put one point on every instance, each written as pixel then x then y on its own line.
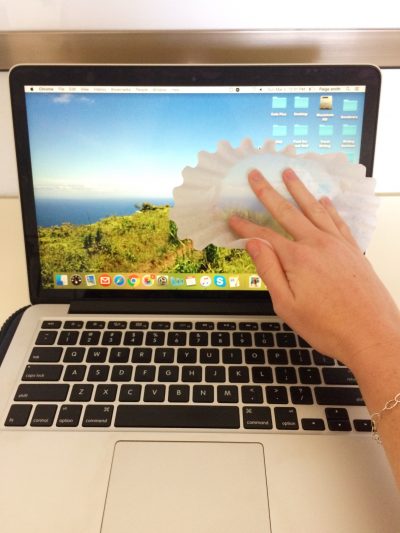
pixel 150 387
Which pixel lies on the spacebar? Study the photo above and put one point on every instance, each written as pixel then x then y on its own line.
pixel 177 416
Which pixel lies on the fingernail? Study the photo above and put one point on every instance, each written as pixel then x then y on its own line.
pixel 254 249
pixel 325 200
pixel 289 174
pixel 255 175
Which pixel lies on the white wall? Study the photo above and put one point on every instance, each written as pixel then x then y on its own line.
pixel 386 168
pixel 193 14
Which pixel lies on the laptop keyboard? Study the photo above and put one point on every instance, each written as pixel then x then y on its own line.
pixel 255 375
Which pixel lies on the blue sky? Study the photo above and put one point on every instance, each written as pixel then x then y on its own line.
pixel 136 145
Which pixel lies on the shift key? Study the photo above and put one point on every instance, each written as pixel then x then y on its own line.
pixel 49 392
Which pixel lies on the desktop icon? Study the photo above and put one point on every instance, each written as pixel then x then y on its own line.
pixel 76 279
pixel 133 280
pixel 300 130
pixel 177 282
pixel 119 280
pixel 350 105
pixel 162 280
pixel 326 102
pixel 105 280
pixel 205 281
pixel 220 281
pixel 301 102
pixel 254 282
pixel 190 281
pixel 90 280
pixel 234 281
pixel 325 130
pixel 349 129
pixel 61 280
pixel 279 130
pixel 279 102
pixel 148 280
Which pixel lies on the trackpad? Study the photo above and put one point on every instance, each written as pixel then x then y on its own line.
pixel 176 487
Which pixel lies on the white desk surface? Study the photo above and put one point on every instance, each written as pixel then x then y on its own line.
pixel 383 252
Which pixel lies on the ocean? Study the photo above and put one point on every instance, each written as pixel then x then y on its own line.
pixel 56 211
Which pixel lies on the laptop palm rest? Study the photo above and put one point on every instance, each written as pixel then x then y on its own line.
pixel 177 487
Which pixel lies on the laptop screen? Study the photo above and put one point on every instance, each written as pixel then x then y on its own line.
pixel 105 159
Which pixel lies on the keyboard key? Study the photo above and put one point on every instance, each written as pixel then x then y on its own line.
pixel 198 338
pixel 270 326
pixel 44 415
pixel 130 393
pixel 178 393
pixel 255 356
pixel 95 324
pixel 98 373
pixel 182 325
pixel 226 326
pixel 75 373
pixel 252 394
pixel 338 376
pixel 192 374
pixel 248 326
pixel 286 418
pixel 141 355
pixel 73 324
pixel 133 338
pixel 18 415
pixel 338 419
pixel 262 374
pixel 97 355
pixel 285 374
pixel 322 360
pixel 49 392
pixel 209 356
pixel 46 338
pixel 74 355
pixel 277 395
pixel 68 338
pixel 119 355
pixel 42 373
pixel 155 338
pixel 51 324
pixel 97 416
pixel 178 416
pixel 300 357
pixel 145 373
pixel 220 338
pixel 154 393
pixel 203 393
pixel 309 376
pixel 301 395
pixel 69 416
pixel 81 393
pixel 176 338
pixel 118 324
pixel 277 357
pixel 138 324
pixel 232 356
pixel 121 373
pixel 257 418
pixel 362 425
pixel 187 355
pixel 242 339
pixel 227 394
pixel 204 325
pixel 286 339
pixel 161 325
pixel 239 374
pixel 338 396
pixel 168 373
pixel 264 339
pixel 164 355
pixel 45 355
pixel 215 374
pixel 111 338
pixel 90 338
pixel 313 424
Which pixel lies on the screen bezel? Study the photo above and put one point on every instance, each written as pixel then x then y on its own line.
pixel 169 75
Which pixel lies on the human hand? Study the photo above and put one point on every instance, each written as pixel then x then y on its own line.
pixel 320 282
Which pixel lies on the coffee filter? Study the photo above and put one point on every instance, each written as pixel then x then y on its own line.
pixel 218 187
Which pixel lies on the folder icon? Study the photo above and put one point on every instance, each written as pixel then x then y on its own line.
pixel 278 130
pixel 301 102
pixel 279 102
pixel 325 129
pixel 300 129
pixel 349 129
pixel 350 105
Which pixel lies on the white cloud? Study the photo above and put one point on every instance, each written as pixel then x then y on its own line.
pixel 62 98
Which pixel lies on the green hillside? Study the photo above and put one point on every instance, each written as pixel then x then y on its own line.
pixel 145 241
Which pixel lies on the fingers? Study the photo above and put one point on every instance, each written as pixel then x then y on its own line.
pixel 312 208
pixel 245 228
pixel 340 224
pixel 290 218
pixel 270 270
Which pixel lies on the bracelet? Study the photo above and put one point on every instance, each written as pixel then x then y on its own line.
pixel 376 417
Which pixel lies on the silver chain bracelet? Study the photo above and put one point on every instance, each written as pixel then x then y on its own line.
pixel 376 417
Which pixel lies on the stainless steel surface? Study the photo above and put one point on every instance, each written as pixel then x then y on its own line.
pixel 380 47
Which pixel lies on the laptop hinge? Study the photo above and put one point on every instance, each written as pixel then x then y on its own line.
pixel 172 307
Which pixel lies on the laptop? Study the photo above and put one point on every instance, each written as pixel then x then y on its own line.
pixel 150 387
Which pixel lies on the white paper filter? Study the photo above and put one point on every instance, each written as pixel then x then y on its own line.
pixel 217 188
